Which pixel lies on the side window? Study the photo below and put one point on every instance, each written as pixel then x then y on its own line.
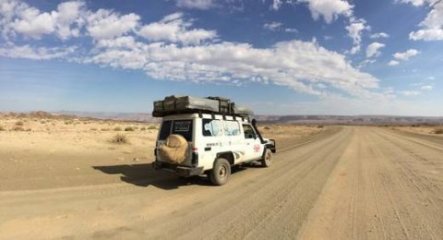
pixel 184 128
pixel 212 128
pixel 249 131
pixel 232 128
pixel 165 130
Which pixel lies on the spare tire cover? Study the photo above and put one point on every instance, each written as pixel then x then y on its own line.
pixel 175 149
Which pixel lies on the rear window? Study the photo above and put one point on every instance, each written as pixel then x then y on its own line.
pixel 182 127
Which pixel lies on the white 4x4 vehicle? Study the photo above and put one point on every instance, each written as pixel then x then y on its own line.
pixel 205 143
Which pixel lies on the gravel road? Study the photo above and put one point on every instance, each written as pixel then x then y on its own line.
pixel 345 183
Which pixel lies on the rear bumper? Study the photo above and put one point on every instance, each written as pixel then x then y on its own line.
pixel 183 171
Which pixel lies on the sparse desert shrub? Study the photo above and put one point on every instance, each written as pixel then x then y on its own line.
pixel 28 130
pixel 152 127
pixel 119 139
pixel 42 121
pixel 2 128
pixel 438 131
pixel 266 128
pixel 129 129
pixel 69 122
pixel 104 129
pixel 142 129
pixel 19 123
pixel 117 129
pixel 18 128
pixel 93 129
pixel 320 126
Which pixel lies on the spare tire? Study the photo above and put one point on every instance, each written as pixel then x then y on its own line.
pixel 175 149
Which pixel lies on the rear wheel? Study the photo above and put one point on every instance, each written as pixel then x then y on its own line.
pixel 266 161
pixel 221 171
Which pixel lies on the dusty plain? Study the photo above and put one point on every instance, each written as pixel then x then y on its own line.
pixel 69 179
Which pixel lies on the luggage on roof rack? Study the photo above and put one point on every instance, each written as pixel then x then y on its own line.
pixel 188 104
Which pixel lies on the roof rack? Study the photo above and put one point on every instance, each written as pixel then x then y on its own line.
pixel 173 105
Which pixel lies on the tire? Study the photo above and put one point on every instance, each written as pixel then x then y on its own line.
pixel 220 173
pixel 267 159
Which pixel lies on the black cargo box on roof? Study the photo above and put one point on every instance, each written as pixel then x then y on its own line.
pixel 188 104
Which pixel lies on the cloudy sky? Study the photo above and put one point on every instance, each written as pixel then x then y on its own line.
pixel 275 56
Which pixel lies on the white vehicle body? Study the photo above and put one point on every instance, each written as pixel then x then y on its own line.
pixel 210 137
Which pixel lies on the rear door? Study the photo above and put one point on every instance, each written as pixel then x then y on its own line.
pixel 253 147
pixel 180 127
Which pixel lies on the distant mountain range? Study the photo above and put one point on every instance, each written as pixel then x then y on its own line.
pixel 358 120
pixel 297 119
pixel 139 117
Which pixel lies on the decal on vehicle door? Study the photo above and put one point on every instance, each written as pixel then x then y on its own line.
pixel 257 148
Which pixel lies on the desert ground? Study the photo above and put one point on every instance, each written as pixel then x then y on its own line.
pixel 92 179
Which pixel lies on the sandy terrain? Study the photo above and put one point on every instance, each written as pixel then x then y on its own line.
pixel 50 153
pixel 325 183
pixel 422 129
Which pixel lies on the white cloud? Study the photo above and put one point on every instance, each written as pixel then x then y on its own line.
pixel 105 24
pixel 432 26
pixel 373 50
pixel 413 2
pixel 410 93
pixel 70 18
pixel 295 64
pixel 272 26
pixel 196 4
pixel 33 23
pixel 173 28
pixel 276 26
pixel 355 29
pixel 393 63
pixel 426 87
pixel 276 4
pixel 20 18
pixel 291 30
pixel 431 34
pixel 421 88
pixel 328 9
pixel 404 56
pixel 175 50
pixel 331 10
pixel 379 35
pixel 36 53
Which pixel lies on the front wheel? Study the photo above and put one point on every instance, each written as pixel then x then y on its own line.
pixel 221 171
pixel 266 161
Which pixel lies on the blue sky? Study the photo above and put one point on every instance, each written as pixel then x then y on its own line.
pixel 275 56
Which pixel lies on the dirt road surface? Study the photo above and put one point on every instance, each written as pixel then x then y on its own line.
pixel 345 183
